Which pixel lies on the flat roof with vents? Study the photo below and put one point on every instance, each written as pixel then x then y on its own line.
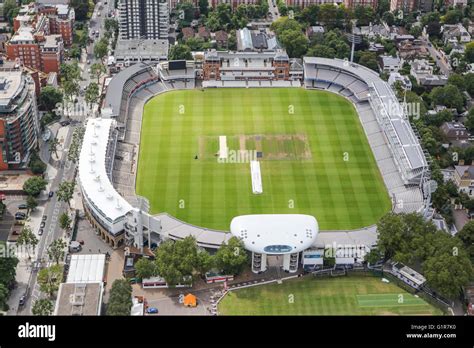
pixel 275 233
pixel 79 299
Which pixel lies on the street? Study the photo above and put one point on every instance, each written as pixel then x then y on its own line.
pixel 63 170
pixel 444 66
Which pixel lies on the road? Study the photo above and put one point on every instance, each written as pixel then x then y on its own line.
pixel 444 66
pixel 65 169
pixel 273 9
pixel 53 209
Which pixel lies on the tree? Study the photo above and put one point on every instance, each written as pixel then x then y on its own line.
pixel 294 41
pixel 65 221
pixel 92 94
pixel 81 9
pixel 398 234
pixel 452 17
pixel 283 24
pixel 120 299
pixel 76 143
pixel 368 59
pixel 31 203
pixel 50 97
pixel 180 51
pixel 75 52
pixel 321 51
pixel 176 261
pixel 98 69
pixel 10 9
pixel 458 81
pixel 231 257
pixel 53 146
pixel 71 89
pixel 145 268
pixel 111 25
pixel 469 123
pixel 3 297
pixel 56 250
pixel 389 18
pixel 416 31
pixel 66 191
pixel 469 83
pixel 449 96
pixel 205 262
pixel 466 236
pixel 42 307
pixel 7 265
pixel 101 48
pixel 364 15
pixel 203 7
pixel 469 52
pixel 373 256
pixel 70 72
pixel 447 272
pixel 33 186
pixel 50 278
pixel 27 239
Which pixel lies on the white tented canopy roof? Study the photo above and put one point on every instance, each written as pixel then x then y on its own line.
pixel 86 269
pixel 275 233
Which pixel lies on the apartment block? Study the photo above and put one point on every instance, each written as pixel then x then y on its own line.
pixel 19 124
pixel 143 19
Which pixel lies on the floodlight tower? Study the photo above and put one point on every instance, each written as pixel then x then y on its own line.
pixel 354 37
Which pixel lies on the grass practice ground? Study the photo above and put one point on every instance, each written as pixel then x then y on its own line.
pixel 314 157
pixel 351 295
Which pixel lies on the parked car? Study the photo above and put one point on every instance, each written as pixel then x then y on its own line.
pixel 23 206
pixel 44 218
pixel 51 193
pixel 20 216
pixel 40 232
pixel 42 224
pixel 22 301
pixel 152 310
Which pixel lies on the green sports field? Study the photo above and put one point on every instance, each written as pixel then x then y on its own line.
pixel 313 152
pixel 350 295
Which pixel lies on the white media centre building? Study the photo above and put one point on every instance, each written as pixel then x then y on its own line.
pixel 275 234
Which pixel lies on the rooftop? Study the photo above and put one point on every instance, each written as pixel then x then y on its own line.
pixel 146 49
pixel 115 87
pixel 79 299
pixel 86 268
pixel 9 85
pixel 95 183
pixel 275 233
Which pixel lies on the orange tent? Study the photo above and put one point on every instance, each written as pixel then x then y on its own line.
pixel 190 300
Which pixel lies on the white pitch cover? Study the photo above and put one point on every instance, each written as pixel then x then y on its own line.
pixel 256 177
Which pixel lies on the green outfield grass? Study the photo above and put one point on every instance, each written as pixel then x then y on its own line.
pixel 351 295
pixel 303 166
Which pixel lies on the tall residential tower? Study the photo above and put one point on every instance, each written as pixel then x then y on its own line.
pixel 144 19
